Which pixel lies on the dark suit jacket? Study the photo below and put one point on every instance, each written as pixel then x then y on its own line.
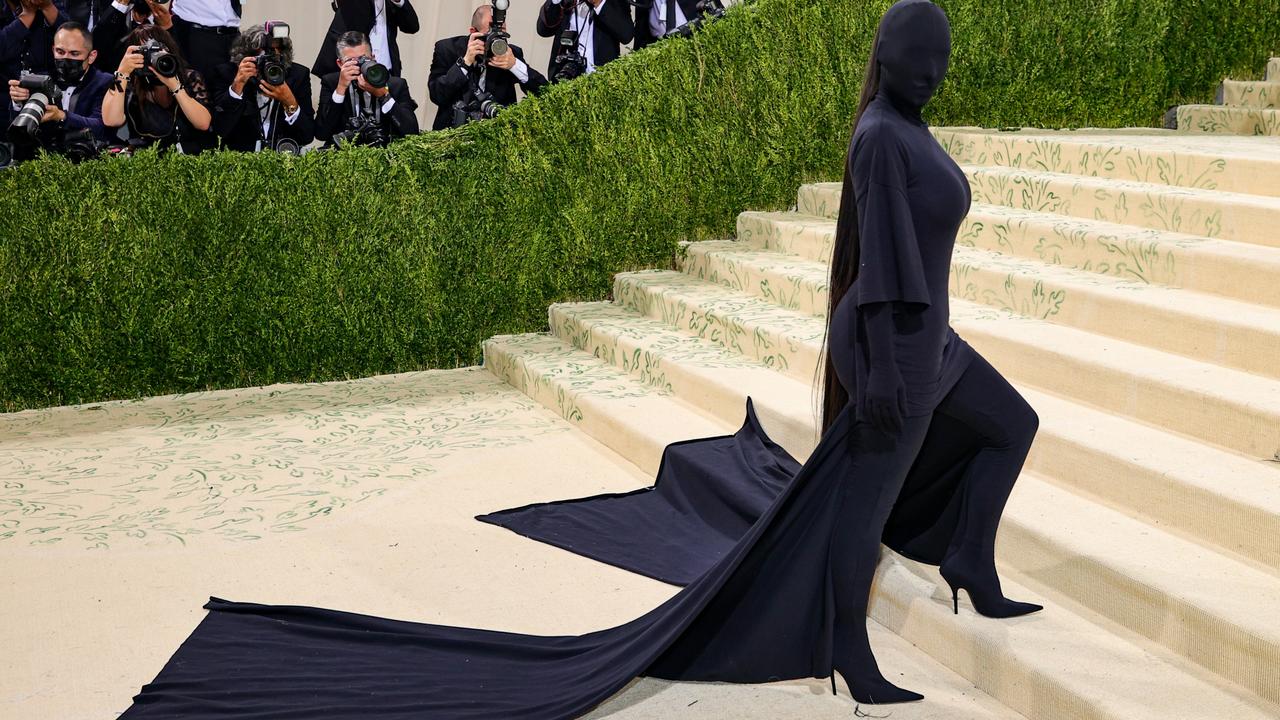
pixel 332 117
pixel 22 47
pixel 449 82
pixel 358 15
pixel 113 26
pixel 86 103
pixel 612 28
pixel 644 34
pixel 238 122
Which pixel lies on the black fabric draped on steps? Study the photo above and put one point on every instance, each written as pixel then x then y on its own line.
pixel 757 607
pixel 709 491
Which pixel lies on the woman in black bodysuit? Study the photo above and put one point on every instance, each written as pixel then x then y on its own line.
pixel 923 457
pixel 889 344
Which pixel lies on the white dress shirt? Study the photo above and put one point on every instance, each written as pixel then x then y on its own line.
pixel 584 21
pixel 379 39
pixel 210 13
pixel 658 18
pixel 264 112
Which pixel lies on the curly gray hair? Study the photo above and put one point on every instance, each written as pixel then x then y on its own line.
pixel 249 44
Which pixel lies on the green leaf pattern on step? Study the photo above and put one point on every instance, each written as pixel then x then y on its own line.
pixel 1176 209
pixel 1158 159
pixel 1229 120
pixel 775 335
pixel 240 465
pixel 773 277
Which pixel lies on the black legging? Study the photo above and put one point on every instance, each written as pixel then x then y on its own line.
pixel 985 402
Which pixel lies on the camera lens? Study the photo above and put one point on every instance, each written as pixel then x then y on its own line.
pixel 375 73
pixel 165 64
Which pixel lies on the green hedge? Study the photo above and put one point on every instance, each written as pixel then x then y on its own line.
pixel 123 278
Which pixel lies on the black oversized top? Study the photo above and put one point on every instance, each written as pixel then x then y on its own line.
pixel 911 198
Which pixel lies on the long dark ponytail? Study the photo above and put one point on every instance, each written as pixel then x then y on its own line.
pixel 844 256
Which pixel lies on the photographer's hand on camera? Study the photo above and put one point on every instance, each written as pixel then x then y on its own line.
pixel 131 62
pixel 246 70
pixel 475 50
pixel 18 95
pixel 282 94
pixel 350 72
pixel 505 61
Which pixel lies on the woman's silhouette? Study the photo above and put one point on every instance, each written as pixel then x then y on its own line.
pixel 923 456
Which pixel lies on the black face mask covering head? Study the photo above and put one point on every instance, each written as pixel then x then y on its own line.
pixel 913 50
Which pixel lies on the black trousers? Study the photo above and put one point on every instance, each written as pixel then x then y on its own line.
pixel 208 48
pixel 985 402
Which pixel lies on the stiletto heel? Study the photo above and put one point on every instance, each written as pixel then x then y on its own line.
pixel 833 682
pixel 986 597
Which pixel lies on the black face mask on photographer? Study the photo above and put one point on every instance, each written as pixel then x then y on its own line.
pixel 68 72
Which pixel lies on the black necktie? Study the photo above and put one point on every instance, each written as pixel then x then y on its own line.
pixel 671 16
pixel 235 7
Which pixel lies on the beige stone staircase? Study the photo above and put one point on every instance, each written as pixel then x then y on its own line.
pixel 1244 107
pixel 1128 283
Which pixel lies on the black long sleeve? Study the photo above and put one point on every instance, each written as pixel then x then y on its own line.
pixel 406 18
pixel 616 20
pixel 447 82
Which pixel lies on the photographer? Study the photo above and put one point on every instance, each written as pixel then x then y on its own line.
pixel 378 20
pixel 81 88
pixel 660 18
pixel 458 70
pixel 159 99
pixel 26 39
pixel 207 30
pixel 361 102
pixel 120 17
pixel 596 29
pixel 249 112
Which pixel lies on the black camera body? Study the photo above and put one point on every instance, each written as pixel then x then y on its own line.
pixel 362 130
pixel 480 106
pixel 497 41
pixel 157 57
pixel 708 10
pixel 25 127
pixel 569 62
pixel 272 67
pixel 374 72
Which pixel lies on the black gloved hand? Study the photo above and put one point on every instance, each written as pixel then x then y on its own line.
pixel 885 399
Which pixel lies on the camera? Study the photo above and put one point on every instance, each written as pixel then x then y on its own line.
pixel 480 106
pixel 362 130
pixel 272 68
pixel 157 56
pixel 497 41
pixel 570 62
pixel 708 10
pixel 26 126
pixel 374 72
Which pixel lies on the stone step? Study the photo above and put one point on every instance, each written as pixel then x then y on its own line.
pixel 1249 93
pixel 788 281
pixel 1242 271
pixel 1273 70
pixel 1238 410
pixel 1193 489
pixel 1249 165
pixel 1221 330
pixel 1250 273
pixel 1052 664
pixel 786 340
pixel 1226 332
pixel 1203 213
pixel 1227 120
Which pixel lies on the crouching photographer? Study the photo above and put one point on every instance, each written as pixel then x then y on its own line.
pixel 61 112
pixel 475 75
pixel 156 98
pixel 362 103
pixel 263 98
